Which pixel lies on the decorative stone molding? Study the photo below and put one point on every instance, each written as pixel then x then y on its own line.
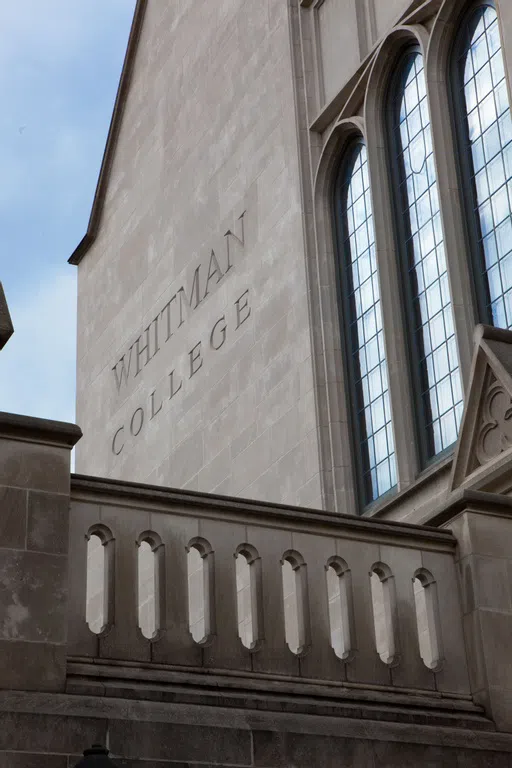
pixel 495 429
pixel 484 449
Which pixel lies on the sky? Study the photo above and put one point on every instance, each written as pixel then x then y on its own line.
pixel 60 62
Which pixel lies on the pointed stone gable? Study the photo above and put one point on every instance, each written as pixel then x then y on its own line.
pixel 6 327
pixel 485 439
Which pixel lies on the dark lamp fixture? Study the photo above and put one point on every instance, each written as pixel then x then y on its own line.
pixel 96 757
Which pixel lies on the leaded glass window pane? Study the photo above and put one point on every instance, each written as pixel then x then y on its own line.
pixel 362 310
pixel 489 148
pixel 432 329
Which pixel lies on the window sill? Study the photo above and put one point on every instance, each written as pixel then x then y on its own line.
pixel 384 506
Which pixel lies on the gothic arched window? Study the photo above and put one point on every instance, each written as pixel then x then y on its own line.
pixel 485 141
pixel 429 317
pixel 362 319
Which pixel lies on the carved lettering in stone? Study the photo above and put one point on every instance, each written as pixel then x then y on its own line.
pixel 178 309
pixel 243 309
pixel 138 416
pixel 495 430
pixel 218 334
pixel 195 359
pixel 114 442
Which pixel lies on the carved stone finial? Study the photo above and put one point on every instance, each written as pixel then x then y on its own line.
pixel 6 326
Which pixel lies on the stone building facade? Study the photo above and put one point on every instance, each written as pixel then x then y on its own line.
pixel 289 538
pixel 220 347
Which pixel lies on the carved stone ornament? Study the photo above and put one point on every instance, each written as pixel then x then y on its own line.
pixel 483 457
pixel 494 434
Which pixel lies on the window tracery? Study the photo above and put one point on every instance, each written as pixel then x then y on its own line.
pixel 485 140
pixel 361 307
pixel 396 107
pixel 435 365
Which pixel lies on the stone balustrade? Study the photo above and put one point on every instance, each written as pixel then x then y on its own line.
pixel 183 580
pixel 183 627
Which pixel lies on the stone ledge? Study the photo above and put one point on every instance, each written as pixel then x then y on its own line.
pixel 420 713
pixel 14 426
pixel 105 490
pixel 55 708
pixel 99 672
pixel 492 332
pixel 480 502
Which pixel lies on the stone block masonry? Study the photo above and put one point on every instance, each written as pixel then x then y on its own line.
pixel 284 697
pixel 34 524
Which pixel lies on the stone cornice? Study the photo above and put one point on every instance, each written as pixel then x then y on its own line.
pixel 28 428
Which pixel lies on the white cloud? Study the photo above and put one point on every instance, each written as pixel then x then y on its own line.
pixel 37 367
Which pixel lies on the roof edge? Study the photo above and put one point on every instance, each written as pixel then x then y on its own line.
pixel 113 135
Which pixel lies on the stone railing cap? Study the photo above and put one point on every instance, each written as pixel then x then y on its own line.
pixel 463 499
pixel 14 425
pixel 180 501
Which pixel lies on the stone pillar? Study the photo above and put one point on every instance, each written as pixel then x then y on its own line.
pixel 34 519
pixel 482 523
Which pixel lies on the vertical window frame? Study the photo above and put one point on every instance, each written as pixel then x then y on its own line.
pixel 346 313
pixel 463 155
pixel 424 437
pixel 401 237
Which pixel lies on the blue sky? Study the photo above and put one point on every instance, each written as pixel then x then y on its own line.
pixel 60 62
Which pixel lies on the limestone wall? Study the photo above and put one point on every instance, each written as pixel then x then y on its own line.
pixel 194 357
pixel 210 352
